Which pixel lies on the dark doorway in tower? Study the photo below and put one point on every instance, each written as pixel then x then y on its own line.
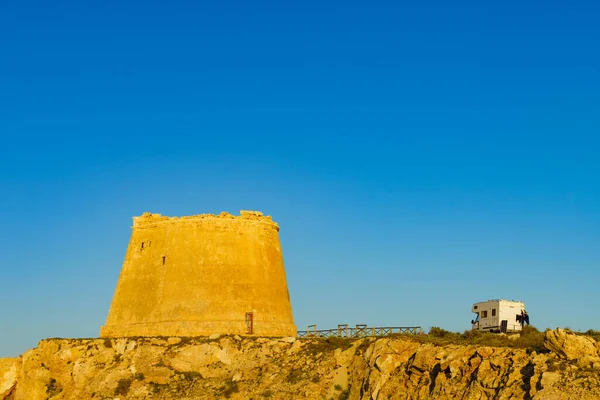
pixel 249 323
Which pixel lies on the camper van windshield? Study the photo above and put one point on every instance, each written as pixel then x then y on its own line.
pixel 477 317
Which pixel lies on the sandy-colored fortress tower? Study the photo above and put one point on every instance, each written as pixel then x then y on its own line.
pixel 199 275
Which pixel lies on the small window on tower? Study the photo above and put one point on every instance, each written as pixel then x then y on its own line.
pixel 493 312
pixel 164 259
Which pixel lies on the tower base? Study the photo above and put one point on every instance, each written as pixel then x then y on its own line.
pixel 198 328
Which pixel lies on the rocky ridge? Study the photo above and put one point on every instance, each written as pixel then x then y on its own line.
pixel 288 368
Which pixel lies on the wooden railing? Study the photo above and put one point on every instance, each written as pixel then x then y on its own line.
pixel 359 331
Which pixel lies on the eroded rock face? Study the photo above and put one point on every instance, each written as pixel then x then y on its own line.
pixel 256 368
pixel 8 376
pixel 568 345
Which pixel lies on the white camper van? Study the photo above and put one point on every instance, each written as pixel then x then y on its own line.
pixel 499 316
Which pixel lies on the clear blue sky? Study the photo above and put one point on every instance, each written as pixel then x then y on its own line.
pixel 419 156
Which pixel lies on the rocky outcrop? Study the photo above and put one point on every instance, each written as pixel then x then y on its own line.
pixel 582 350
pixel 568 345
pixel 288 368
pixel 8 376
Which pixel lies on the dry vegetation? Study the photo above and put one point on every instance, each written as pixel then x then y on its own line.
pixel 530 338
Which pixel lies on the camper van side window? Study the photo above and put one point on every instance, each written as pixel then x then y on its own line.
pixel 484 314
pixel 493 312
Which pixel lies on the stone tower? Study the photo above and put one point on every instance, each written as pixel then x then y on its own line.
pixel 199 275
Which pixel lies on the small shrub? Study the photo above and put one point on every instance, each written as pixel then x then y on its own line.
pixel 436 331
pixel 191 375
pixel 552 365
pixel 531 339
pixel 472 335
pixel 529 330
pixel 52 388
pixel 267 393
pixel 438 336
pixel 294 376
pixel 345 395
pixel 123 386
pixel 316 379
pixel 230 388
pixel 337 387
pixel 156 387
pixel 366 342
pixel 139 376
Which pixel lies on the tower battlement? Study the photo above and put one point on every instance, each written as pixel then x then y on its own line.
pixel 202 274
pixel 149 219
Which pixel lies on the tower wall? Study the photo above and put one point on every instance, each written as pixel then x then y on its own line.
pixel 200 275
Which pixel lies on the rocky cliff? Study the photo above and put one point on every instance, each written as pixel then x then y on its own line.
pixel 290 368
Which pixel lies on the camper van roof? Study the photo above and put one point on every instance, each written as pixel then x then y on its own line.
pixel 515 301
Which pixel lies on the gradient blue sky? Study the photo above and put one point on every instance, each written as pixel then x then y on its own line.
pixel 419 156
